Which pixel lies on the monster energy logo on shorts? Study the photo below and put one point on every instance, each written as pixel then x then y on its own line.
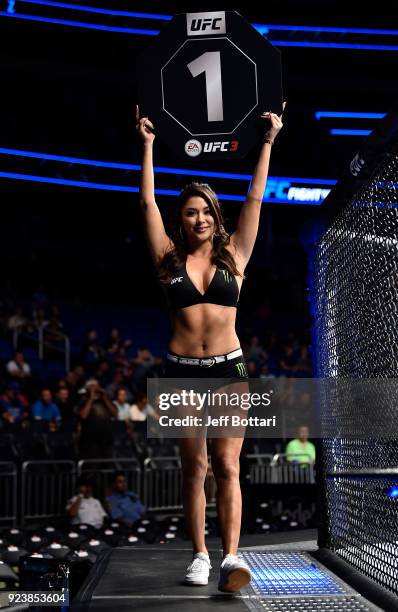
pixel 241 368
pixel 227 276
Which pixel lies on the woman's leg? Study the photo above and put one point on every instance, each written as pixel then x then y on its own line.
pixel 225 454
pixel 193 453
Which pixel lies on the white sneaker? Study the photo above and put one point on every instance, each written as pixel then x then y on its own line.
pixel 198 570
pixel 234 574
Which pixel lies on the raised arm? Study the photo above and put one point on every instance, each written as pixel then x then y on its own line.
pixel 157 239
pixel 246 231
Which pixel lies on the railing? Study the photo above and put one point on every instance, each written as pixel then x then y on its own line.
pixel 49 345
pixel 162 483
pixel 291 458
pixel 269 469
pixel 42 344
pixel 46 486
pixel 8 493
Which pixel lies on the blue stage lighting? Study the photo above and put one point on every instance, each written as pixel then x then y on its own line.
pixel 279 189
pixel 80 24
pixel 162 169
pixel 344 132
pixel 330 45
pixel 91 9
pixel 348 115
pixel 158 191
pixel 281 574
pixel 298 28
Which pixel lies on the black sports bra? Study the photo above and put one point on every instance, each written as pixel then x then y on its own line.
pixel 181 292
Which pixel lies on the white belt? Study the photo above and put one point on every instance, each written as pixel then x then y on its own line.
pixel 204 361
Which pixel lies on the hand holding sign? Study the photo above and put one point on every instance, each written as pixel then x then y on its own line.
pixel 276 124
pixel 144 127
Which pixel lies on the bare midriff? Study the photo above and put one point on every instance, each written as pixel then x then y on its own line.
pixel 203 330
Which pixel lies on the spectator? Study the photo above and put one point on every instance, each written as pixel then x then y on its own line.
pixel 122 405
pixel 116 342
pixel 121 360
pixel 66 405
pixel 45 409
pixel 84 508
pixel 303 364
pixel 14 405
pixel 62 384
pixel 265 374
pixel 53 335
pixel 141 409
pixel 114 386
pixel 255 351
pixel 288 361
pixel 272 349
pixel 103 373
pixel 143 363
pixel 301 450
pixel 124 506
pixel 17 321
pixel 144 358
pixel 71 382
pixel 54 329
pixel 95 413
pixel 17 368
pixel 93 351
pixel 157 367
pixel 252 369
pixel 39 317
pixel 80 375
pixel 293 341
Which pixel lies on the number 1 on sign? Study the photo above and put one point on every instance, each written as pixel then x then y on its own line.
pixel 210 64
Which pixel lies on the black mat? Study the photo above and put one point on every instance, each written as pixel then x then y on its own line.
pixel 150 578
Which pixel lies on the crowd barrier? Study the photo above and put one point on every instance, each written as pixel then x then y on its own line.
pixel 39 490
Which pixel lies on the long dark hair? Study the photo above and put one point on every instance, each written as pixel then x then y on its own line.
pixel 175 258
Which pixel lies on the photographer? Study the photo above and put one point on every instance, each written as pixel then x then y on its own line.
pixel 84 508
pixel 95 414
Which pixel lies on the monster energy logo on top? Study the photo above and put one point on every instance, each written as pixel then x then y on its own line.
pixel 227 276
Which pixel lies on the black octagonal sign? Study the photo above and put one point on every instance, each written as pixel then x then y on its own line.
pixel 205 82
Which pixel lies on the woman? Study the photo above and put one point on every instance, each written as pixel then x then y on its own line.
pixel 202 270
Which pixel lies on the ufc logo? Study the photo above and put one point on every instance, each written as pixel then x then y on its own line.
pixel 201 23
pixel 177 279
pixel 211 147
